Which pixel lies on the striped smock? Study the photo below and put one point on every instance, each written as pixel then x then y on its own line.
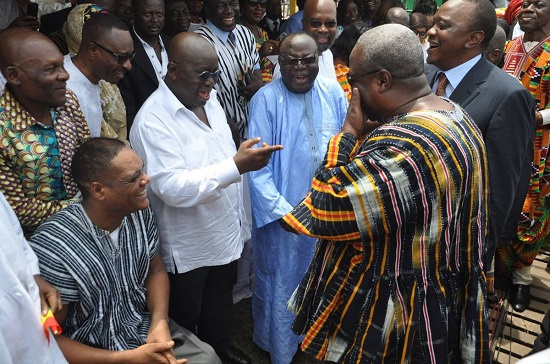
pixel 398 275
pixel 103 282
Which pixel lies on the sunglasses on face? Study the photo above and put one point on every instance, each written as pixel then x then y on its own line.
pixel 120 58
pixel 318 24
pixel 297 61
pixel 205 75
pixel 255 3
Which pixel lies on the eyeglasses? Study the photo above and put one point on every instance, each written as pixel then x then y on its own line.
pixel 352 80
pixel 255 3
pixel 205 75
pixel 420 34
pixel 296 61
pixel 314 23
pixel 121 58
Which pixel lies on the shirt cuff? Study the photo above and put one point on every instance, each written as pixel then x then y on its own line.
pixel 545 116
pixel 227 173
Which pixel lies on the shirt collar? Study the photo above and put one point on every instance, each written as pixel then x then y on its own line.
pixel 223 35
pixel 172 104
pixel 145 44
pixel 22 120
pixel 455 75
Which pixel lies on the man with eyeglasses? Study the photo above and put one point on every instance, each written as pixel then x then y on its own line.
pixel 104 54
pixel 40 127
pixel 151 61
pixel 196 190
pixel 320 22
pixel 400 215
pixel 302 112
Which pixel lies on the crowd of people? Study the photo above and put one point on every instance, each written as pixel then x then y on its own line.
pixel 365 173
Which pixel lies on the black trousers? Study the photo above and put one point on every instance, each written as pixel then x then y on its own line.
pixel 202 301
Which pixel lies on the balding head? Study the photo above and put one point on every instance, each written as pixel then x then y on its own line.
pixel 192 69
pixel 495 50
pixel 320 22
pixel 397 16
pixel 392 47
pixel 33 68
pixel 298 78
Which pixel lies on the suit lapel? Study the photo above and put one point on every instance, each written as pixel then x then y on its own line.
pixel 468 88
pixel 142 60
pixel 430 72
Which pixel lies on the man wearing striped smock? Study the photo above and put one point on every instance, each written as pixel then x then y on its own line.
pixel 401 221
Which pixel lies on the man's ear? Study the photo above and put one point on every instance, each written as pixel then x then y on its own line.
pixel 494 55
pixel 384 80
pixel 171 70
pixel 475 39
pixel 91 50
pixel 97 191
pixel 13 75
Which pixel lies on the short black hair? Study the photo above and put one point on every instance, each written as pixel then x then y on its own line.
pixel 341 10
pixel 343 45
pixel 484 19
pixel 92 160
pixel 380 14
pixel 101 24
pixel 425 9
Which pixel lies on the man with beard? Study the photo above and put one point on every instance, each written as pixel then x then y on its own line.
pixel 151 60
pixel 502 109
pixel 178 17
pixel 196 189
pixel 105 53
pixel 320 22
pixel 302 112
pixel 527 58
pixel 41 125
pixel 398 275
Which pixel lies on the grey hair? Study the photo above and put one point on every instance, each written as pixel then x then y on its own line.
pixel 393 47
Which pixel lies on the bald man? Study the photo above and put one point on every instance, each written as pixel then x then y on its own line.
pixel 495 49
pixel 196 191
pixel 40 127
pixel 397 275
pixel 397 16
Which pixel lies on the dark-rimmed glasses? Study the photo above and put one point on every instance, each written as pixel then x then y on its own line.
pixel 120 58
pixel 314 23
pixel 298 61
pixel 254 3
pixel 352 80
pixel 205 75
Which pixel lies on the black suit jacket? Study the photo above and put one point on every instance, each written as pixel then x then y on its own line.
pixel 504 111
pixel 51 22
pixel 141 81
pixel 270 33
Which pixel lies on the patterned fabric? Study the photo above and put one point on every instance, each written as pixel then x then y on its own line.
pixel 234 60
pixel 398 272
pixel 342 78
pixel 103 282
pixel 35 160
pixel 533 70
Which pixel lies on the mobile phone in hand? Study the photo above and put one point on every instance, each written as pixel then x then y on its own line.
pixel 32 9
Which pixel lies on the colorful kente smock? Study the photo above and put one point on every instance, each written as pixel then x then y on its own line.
pixel 35 159
pixel 532 68
pixel 398 274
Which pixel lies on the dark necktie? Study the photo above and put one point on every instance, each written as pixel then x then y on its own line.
pixel 276 27
pixel 231 37
pixel 441 84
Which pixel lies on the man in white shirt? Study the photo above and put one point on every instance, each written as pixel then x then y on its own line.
pixel 151 60
pixel 105 54
pixel 196 191
pixel 22 339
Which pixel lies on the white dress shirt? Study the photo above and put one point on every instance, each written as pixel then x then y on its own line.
pixel 88 94
pixel 22 338
pixel 195 190
pixel 455 75
pixel 160 65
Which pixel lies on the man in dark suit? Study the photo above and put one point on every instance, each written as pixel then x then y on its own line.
pixel 151 60
pixel 272 20
pixel 499 105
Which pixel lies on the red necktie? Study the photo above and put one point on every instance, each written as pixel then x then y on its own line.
pixel 441 84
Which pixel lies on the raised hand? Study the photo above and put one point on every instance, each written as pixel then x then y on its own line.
pixel 251 159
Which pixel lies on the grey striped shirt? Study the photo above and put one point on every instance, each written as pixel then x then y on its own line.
pixel 102 283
